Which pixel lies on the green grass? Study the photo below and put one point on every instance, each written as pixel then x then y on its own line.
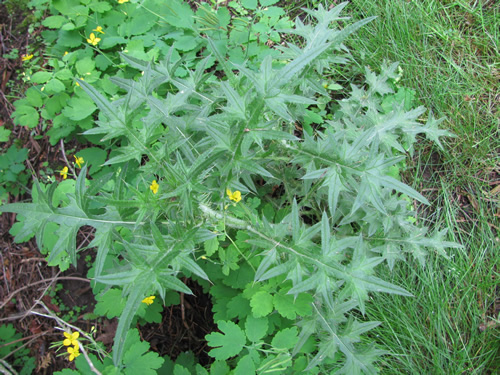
pixel 438 331
pixel 449 51
pixel 450 54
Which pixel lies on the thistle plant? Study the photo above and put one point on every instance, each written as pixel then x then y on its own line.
pixel 213 178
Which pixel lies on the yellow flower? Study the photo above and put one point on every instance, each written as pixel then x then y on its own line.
pixel 148 300
pixel 65 53
pixel 154 187
pixel 93 39
pixel 64 174
pixel 122 1
pixel 236 196
pixel 71 339
pixel 99 30
pixel 27 57
pixel 79 161
pixel 73 352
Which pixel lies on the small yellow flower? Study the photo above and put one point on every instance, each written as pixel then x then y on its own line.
pixel 64 174
pixel 236 196
pixel 122 1
pixel 93 39
pixel 99 30
pixel 73 352
pixel 154 187
pixel 148 300
pixel 71 339
pixel 27 57
pixel 65 53
pixel 79 161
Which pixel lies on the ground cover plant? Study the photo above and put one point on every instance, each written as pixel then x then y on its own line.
pixel 83 40
pixel 286 206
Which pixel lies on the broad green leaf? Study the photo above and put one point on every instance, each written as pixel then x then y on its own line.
pixel 64 74
pixel 68 26
pixel 238 307
pixel 229 258
pixel 4 134
pixel 137 359
pixel 54 86
pixel 79 108
pixel 34 96
pixel 25 115
pixel 179 14
pixel 41 77
pixel 266 3
pixel 256 328
pixel 201 370
pixel 69 38
pixel 54 22
pixel 110 304
pixel 290 306
pixel 211 246
pixel 186 43
pixel 245 366
pixel 181 370
pixel 261 303
pixel 85 66
pixel 249 4
pixel 228 343
pixel 100 6
pixel 284 305
pixel 285 339
pixel 219 368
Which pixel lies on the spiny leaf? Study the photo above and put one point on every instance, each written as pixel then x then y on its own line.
pixel 298 64
pixel 392 183
pixel 141 284
pixel 222 61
